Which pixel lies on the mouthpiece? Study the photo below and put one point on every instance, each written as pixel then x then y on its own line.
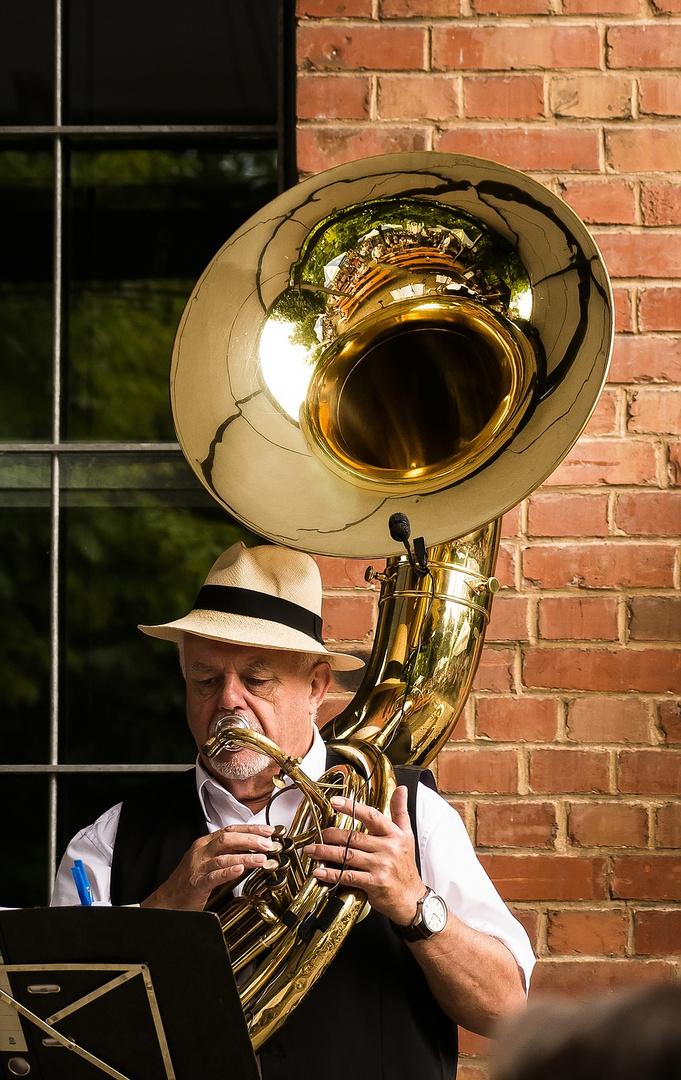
pixel 217 742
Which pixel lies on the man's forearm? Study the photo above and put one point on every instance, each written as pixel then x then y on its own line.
pixel 474 978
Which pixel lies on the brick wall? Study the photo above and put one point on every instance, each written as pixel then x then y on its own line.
pixel 567 766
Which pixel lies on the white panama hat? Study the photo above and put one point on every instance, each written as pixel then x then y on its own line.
pixel 268 596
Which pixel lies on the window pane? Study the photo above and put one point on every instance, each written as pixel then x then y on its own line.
pixel 131 556
pixel 208 62
pixel 23 846
pixel 25 602
pixel 26 198
pixel 27 62
pixel 143 225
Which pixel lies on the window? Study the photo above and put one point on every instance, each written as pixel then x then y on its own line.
pixel 135 137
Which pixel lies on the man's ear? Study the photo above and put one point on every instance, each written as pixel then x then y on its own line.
pixel 320 681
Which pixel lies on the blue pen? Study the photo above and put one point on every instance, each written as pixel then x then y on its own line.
pixel 82 884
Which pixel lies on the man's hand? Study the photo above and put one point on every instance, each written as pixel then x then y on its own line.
pixel 380 861
pixel 212 860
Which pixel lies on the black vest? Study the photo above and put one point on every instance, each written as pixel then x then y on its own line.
pixel 371 1016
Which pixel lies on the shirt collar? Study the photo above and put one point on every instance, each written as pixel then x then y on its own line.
pixel 220 808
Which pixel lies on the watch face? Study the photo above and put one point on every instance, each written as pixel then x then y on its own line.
pixel 434 912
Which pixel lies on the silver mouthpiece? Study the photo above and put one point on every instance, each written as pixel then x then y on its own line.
pixel 230 720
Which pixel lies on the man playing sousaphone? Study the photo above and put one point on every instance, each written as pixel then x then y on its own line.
pixel 438 948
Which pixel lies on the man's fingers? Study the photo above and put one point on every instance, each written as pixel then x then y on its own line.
pixel 399 811
pixel 237 842
pixel 340 854
pixel 361 841
pixel 258 830
pixel 375 822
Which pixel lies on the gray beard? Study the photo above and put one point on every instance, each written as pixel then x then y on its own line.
pixel 231 768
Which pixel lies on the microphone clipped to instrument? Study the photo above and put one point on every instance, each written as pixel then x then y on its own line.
pixel 400 530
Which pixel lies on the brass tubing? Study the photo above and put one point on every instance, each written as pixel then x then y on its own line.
pixel 438 596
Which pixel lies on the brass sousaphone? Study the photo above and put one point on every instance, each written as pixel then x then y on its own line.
pixel 424 334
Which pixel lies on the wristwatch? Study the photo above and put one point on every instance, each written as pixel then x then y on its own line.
pixel 430 918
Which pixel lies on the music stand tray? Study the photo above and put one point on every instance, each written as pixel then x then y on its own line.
pixel 130 993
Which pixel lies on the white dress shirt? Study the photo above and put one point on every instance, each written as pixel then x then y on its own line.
pixel 449 864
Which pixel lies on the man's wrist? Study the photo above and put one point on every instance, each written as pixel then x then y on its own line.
pixel 430 918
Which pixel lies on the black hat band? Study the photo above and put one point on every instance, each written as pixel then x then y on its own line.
pixel 256 605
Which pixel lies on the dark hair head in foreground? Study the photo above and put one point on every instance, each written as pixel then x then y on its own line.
pixel 635 1035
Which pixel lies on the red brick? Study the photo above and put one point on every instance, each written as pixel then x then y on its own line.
pixel 471 1044
pixel 415 97
pixel 509 619
pixel 568 515
pixel 405 9
pixel 329 97
pixel 333 9
pixel 512 7
pixel 599 565
pixel 668 826
pixel 322 148
pixel 378 47
pixel 515 719
pixel 494 771
pixel 345 573
pixel 596 96
pixel 667 6
pixel 578 618
pixel 510 523
pixel 603 202
pixel 655 149
pixel 624 315
pixel 660 95
pixel 527 148
pixel 613 824
pixel 529 920
pixel 569 770
pixel 505 48
pixel 495 671
pixel 643 877
pixel 608 720
pixel 644 46
pixel 650 772
pixel 584 978
pixel 661 204
pixel 600 7
pixel 649 513
pixel 348 618
pixel 520 824
pixel 670 721
pixel 546 877
pixel 504 97
pixel 638 358
pixel 674 464
pixel 505 568
pixel 655 411
pixel 650 670
pixel 657 933
pixel 655 618
pixel 604 417
pixel 641 254
pixel 587 932
pixel 660 308
pixel 606 461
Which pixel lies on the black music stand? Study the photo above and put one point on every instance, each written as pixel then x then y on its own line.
pixel 129 993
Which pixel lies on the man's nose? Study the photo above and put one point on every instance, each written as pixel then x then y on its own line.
pixel 232 693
